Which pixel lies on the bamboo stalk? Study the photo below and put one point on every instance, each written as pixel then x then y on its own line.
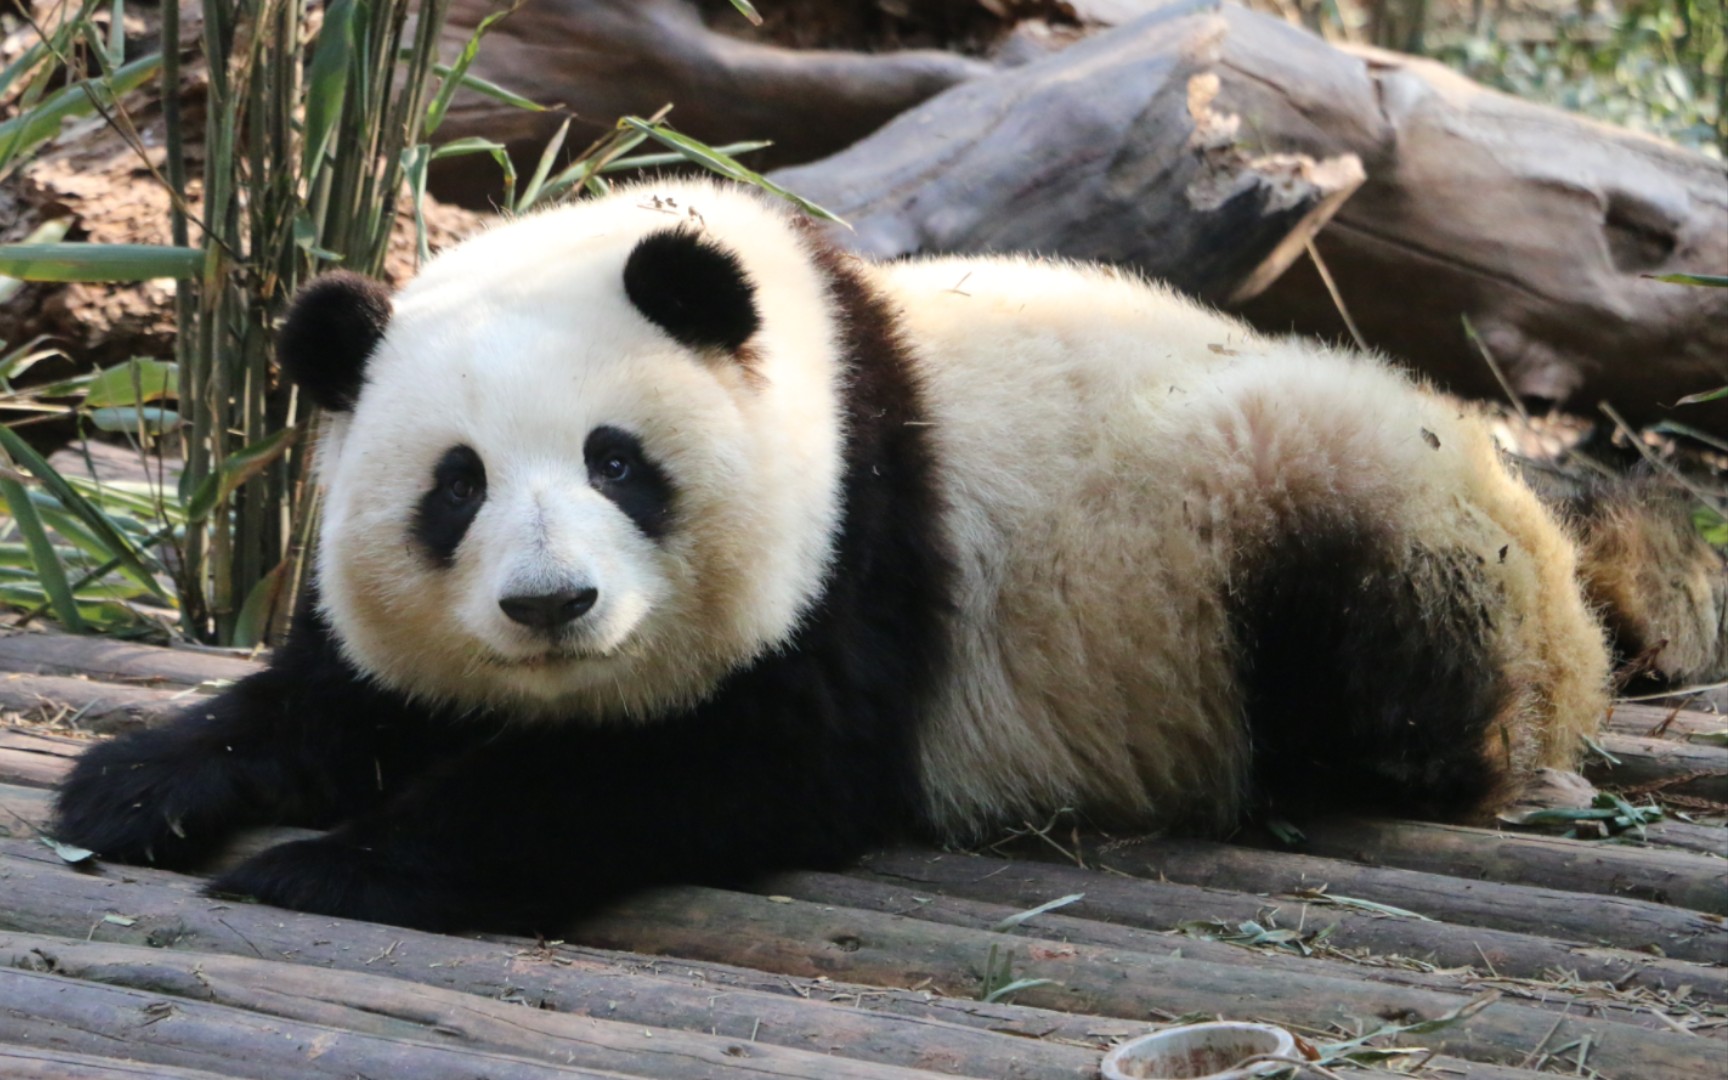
pixel 815 940
pixel 1085 928
pixel 46 1009
pixel 415 1017
pixel 1620 921
pixel 1681 878
pixel 31 1063
pixel 1164 905
pixel 163 911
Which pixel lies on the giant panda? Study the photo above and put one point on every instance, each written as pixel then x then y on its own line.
pixel 661 541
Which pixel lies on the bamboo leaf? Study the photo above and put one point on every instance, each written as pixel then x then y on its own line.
pixel 447 88
pixel 724 164
pixel 239 467
pixel 547 157
pixel 116 545
pixel 483 87
pixel 1707 395
pixel 1021 916
pixel 49 232
pixel 1719 281
pixel 49 571
pixel 261 603
pixel 327 81
pixel 31 128
pixel 748 10
pixel 117 32
pixel 654 161
pixel 1015 987
pixel 473 144
pixel 24 357
pixel 132 419
pixel 138 381
pixel 99 262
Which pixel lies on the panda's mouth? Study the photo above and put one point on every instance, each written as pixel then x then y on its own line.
pixel 538 661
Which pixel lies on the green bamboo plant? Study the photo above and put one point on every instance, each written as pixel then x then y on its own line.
pixel 318 128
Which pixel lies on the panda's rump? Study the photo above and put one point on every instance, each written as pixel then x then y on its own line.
pixel 1187 553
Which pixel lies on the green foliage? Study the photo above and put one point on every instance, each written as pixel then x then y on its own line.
pixel 1659 66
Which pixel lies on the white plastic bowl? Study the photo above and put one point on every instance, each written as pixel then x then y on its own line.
pixel 1200 1052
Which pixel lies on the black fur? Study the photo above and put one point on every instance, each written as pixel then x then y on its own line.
pixel 329 334
pixel 643 491
pixel 693 289
pixel 804 759
pixel 1369 679
pixel 457 491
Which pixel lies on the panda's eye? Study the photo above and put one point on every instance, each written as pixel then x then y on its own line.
pixel 461 489
pixel 614 467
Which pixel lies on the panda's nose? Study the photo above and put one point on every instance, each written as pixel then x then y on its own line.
pixel 549 611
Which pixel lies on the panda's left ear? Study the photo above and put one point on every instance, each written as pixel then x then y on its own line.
pixel 331 330
pixel 692 288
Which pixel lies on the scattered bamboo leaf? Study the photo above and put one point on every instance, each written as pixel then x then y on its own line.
pixel 1719 281
pixel 748 10
pixel 68 852
pixel 1031 913
pixel 1707 395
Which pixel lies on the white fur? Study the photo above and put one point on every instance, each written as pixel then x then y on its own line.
pixel 1112 457
pixel 519 343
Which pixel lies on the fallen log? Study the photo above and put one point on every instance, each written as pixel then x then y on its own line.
pixel 1111 150
pixel 180 1033
pixel 1680 878
pixel 1164 905
pixel 1611 920
pixel 814 940
pixel 1542 227
pixel 387 1008
pixel 164 911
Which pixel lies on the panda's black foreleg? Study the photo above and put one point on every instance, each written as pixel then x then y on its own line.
pixel 530 828
pixel 301 742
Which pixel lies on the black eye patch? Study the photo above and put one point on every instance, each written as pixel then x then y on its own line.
pixel 450 504
pixel 620 470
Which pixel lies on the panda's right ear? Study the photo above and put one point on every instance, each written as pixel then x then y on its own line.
pixel 330 332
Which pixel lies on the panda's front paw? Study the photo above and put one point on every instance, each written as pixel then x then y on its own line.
pixel 332 876
pixel 143 799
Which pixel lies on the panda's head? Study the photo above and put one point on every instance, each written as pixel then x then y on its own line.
pixel 587 462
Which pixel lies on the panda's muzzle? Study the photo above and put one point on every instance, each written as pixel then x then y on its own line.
pixel 547 612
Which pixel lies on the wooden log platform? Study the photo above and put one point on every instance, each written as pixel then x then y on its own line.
pixel 1603 957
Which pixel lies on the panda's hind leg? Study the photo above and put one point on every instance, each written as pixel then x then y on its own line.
pixel 1409 628
pixel 1370 679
